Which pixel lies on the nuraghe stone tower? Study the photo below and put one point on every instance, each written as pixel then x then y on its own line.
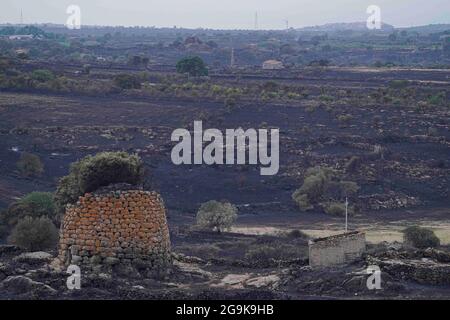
pixel 116 227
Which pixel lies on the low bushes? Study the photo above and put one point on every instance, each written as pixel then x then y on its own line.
pixel 34 234
pixel 127 81
pixel 297 234
pixel 35 204
pixel 93 172
pixel 323 186
pixel 42 75
pixel 421 238
pixel 337 208
pixel 266 255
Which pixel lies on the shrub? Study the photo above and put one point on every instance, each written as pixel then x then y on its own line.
pixel 297 234
pixel 345 118
pixel 34 234
pixel 109 167
pixel 35 204
pixel 265 255
pixel 66 192
pixel 326 98
pixel 194 66
pixel 315 181
pixel 270 86
pixel 127 81
pixel 30 165
pixel 341 189
pixel 93 172
pixel 432 131
pixel 437 99
pixel 41 203
pixel 293 95
pixel 42 75
pixel 302 200
pixel 322 184
pixel 398 84
pixel 229 103
pixel 216 215
pixel 337 208
pixel 5 63
pixel 421 238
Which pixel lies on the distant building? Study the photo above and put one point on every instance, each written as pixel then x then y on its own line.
pixel 21 37
pixel 272 65
pixel 21 51
pixel 336 250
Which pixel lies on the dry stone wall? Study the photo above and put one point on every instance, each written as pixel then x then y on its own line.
pixel 116 227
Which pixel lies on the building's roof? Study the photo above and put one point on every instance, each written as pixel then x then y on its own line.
pixel 21 36
pixel 272 62
pixel 337 236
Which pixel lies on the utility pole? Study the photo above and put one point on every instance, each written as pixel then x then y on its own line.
pixel 232 60
pixel 21 16
pixel 256 20
pixel 346 214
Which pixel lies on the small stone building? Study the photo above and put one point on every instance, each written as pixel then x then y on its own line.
pixel 272 65
pixel 336 250
pixel 115 227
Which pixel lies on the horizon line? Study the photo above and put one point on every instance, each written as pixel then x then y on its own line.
pixel 214 29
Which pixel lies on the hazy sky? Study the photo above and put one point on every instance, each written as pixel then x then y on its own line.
pixel 226 14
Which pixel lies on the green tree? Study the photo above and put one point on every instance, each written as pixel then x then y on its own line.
pixel 194 66
pixel 30 165
pixel 215 215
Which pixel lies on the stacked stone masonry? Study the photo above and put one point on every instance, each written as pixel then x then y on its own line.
pixel 115 227
pixel 336 250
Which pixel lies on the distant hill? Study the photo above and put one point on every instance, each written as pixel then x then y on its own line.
pixel 354 26
pixel 431 28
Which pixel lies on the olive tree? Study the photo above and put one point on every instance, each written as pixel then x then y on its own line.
pixel 215 215
pixel 194 66
pixel 30 165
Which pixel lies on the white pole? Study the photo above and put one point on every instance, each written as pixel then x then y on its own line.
pixel 346 214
